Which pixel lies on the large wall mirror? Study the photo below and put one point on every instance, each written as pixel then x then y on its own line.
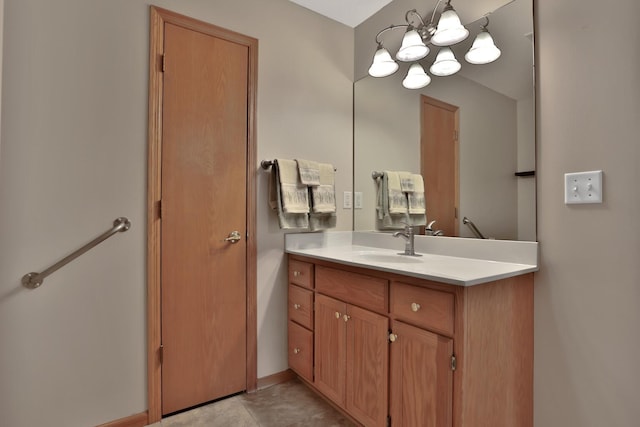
pixel 495 153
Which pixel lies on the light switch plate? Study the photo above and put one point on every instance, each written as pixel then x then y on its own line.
pixel 583 187
pixel 347 200
pixel 357 200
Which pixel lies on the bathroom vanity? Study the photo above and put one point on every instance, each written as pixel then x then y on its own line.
pixel 437 340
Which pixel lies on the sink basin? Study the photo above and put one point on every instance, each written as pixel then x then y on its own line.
pixel 375 256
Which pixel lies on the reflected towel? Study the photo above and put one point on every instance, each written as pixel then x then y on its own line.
pixel 386 198
pixel 406 181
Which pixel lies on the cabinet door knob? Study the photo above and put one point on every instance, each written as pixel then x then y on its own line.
pixel 337 315
pixel 296 350
pixel 296 306
pixel 346 317
pixel 393 337
pixel 415 306
pixel 296 273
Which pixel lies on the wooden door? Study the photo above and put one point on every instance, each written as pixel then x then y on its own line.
pixel 367 366
pixel 330 348
pixel 204 193
pixel 439 163
pixel 421 378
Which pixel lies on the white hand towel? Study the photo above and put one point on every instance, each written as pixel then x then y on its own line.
pixel 323 198
pixel 285 220
pixel 397 199
pixel 417 204
pixel 309 172
pixel 295 195
pixel 406 181
pixel 389 194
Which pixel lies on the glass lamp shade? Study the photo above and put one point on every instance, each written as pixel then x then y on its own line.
pixel 416 77
pixel 450 30
pixel 445 64
pixel 483 50
pixel 412 48
pixel 383 65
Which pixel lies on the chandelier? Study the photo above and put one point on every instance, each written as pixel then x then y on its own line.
pixel 415 46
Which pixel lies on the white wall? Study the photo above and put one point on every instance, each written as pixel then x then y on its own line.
pixel 587 293
pixel 74 115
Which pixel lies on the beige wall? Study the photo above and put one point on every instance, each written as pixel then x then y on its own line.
pixel 74 107
pixel 587 295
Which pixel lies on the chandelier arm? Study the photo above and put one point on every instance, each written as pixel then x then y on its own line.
pixel 413 12
pixel 435 9
pixel 390 27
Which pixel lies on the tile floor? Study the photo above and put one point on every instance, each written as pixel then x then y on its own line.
pixel 288 404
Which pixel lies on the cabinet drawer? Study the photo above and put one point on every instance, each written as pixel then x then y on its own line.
pixel 301 306
pixel 301 350
pixel 301 273
pixel 423 307
pixel 358 289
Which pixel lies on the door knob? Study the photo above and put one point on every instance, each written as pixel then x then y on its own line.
pixel 234 236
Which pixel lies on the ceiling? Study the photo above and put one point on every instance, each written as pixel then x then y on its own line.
pixel 348 12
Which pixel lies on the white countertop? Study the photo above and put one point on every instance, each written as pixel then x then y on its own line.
pixel 481 261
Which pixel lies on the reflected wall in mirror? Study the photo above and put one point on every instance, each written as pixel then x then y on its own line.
pixel 496 112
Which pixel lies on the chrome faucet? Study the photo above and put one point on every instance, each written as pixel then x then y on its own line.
pixel 409 237
pixel 429 231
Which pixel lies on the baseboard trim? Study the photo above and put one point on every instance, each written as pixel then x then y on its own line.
pixel 277 378
pixel 135 420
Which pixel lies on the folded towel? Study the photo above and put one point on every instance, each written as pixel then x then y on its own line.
pixel 397 199
pixel 286 220
pixel 416 200
pixel 309 172
pixel 323 197
pixel 295 195
pixel 389 195
pixel 406 181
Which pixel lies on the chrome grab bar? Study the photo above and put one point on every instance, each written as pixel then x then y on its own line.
pixel 473 228
pixel 34 280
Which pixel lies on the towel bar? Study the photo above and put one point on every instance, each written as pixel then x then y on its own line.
pixel 376 174
pixel 266 164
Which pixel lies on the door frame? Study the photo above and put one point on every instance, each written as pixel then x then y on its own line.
pixel 158 17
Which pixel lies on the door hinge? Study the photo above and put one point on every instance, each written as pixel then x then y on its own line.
pixel 161 353
pixel 455 132
pixel 160 209
pixel 454 362
pixel 455 213
pixel 162 63
pixel 388 420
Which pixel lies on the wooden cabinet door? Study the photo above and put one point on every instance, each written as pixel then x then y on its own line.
pixel 367 366
pixel 330 348
pixel 421 378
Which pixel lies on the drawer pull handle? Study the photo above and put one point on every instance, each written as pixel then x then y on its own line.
pixel 296 273
pixel 296 306
pixel 337 315
pixel 393 337
pixel 346 317
pixel 296 350
pixel 415 306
